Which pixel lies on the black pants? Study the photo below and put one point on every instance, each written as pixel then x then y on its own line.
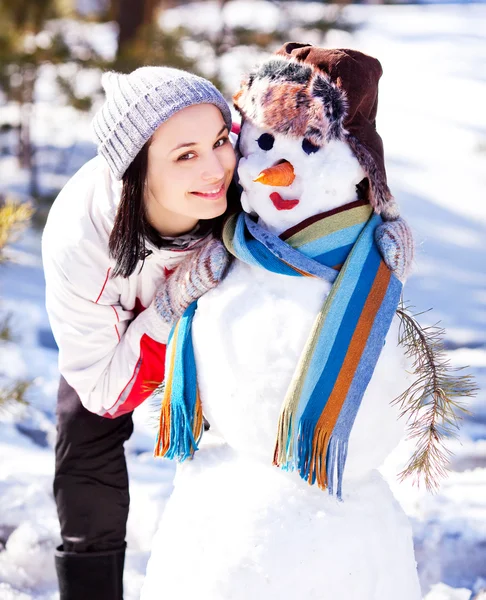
pixel 91 479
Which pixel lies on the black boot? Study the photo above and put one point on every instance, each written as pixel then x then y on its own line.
pixel 90 575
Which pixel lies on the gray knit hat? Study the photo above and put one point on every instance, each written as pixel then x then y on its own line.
pixel 136 104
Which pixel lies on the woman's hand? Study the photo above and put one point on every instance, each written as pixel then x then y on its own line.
pixel 395 243
pixel 193 277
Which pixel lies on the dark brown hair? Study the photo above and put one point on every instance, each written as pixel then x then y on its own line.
pixel 131 229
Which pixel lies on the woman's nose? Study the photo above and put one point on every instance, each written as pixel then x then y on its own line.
pixel 213 169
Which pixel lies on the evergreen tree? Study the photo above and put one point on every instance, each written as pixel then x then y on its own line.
pixel 14 217
pixel 30 38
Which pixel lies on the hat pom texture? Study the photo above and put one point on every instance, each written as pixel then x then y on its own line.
pixel 322 95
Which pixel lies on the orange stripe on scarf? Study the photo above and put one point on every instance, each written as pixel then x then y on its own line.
pixel 197 428
pixel 303 273
pixel 330 414
pixel 163 440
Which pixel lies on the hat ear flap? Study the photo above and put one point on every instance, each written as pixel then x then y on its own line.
pixel 379 195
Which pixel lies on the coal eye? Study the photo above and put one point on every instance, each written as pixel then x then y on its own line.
pixel 266 141
pixel 308 147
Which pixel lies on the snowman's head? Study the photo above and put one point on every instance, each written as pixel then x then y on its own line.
pixel 288 179
pixel 308 136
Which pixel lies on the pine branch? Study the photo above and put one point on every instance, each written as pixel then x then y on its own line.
pixel 154 387
pixel 14 393
pixel 14 217
pixel 5 328
pixel 432 404
pixel 155 402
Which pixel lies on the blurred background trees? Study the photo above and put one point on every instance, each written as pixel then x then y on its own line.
pixel 59 39
pixel 31 36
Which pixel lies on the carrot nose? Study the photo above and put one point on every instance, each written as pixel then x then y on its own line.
pixel 279 175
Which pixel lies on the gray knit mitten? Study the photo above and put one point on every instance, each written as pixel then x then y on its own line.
pixel 193 277
pixel 395 243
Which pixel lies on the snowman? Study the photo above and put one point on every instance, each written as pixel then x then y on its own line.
pixel 297 361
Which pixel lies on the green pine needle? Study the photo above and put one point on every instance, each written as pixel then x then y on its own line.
pixel 14 393
pixel 155 402
pixel 433 403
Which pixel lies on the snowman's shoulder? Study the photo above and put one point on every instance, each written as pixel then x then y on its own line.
pixel 259 285
pixel 241 273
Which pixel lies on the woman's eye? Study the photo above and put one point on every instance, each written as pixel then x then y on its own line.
pixel 308 147
pixel 221 142
pixel 266 141
pixel 190 155
pixel 187 156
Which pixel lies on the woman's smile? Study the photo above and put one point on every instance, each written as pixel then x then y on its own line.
pixel 212 194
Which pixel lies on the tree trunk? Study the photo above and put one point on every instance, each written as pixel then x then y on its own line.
pixel 132 14
pixel 26 147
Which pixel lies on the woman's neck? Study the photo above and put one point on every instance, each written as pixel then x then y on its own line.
pixel 170 224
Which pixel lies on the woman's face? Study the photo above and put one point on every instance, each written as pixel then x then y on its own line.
pixel 190 166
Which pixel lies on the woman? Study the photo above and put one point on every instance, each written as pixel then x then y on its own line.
pixel 147 207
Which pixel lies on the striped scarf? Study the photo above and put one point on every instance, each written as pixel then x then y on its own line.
pixel 339 357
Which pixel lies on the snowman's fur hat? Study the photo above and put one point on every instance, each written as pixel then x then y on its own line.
pixel 293 99
pixel 322 95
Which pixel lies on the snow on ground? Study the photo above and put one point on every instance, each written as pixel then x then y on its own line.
pixel 432 121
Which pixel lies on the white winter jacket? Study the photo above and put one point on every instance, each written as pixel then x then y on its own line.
pixel 111 341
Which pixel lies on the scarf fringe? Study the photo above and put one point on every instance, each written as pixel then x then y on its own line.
pixel 179 432
pixel 321 457
pixel 337 453
pixel 311 453
pixel 284 446
pixel 181 421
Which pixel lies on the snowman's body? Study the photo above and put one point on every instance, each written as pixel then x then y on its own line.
pixel 238 528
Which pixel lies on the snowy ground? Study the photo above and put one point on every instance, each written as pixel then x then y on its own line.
pixel 432 121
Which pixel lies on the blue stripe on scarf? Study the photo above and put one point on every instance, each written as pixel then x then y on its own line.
pixel 341 341
pixel 284 252
pixel 363 375
pixel 335 257
pixel 184 389
pixel 334 319
pixel 329 369
pixel 255 253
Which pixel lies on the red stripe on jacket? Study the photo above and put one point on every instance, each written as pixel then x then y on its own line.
pixel 104 285
pixel 150 374
pixel 149 377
